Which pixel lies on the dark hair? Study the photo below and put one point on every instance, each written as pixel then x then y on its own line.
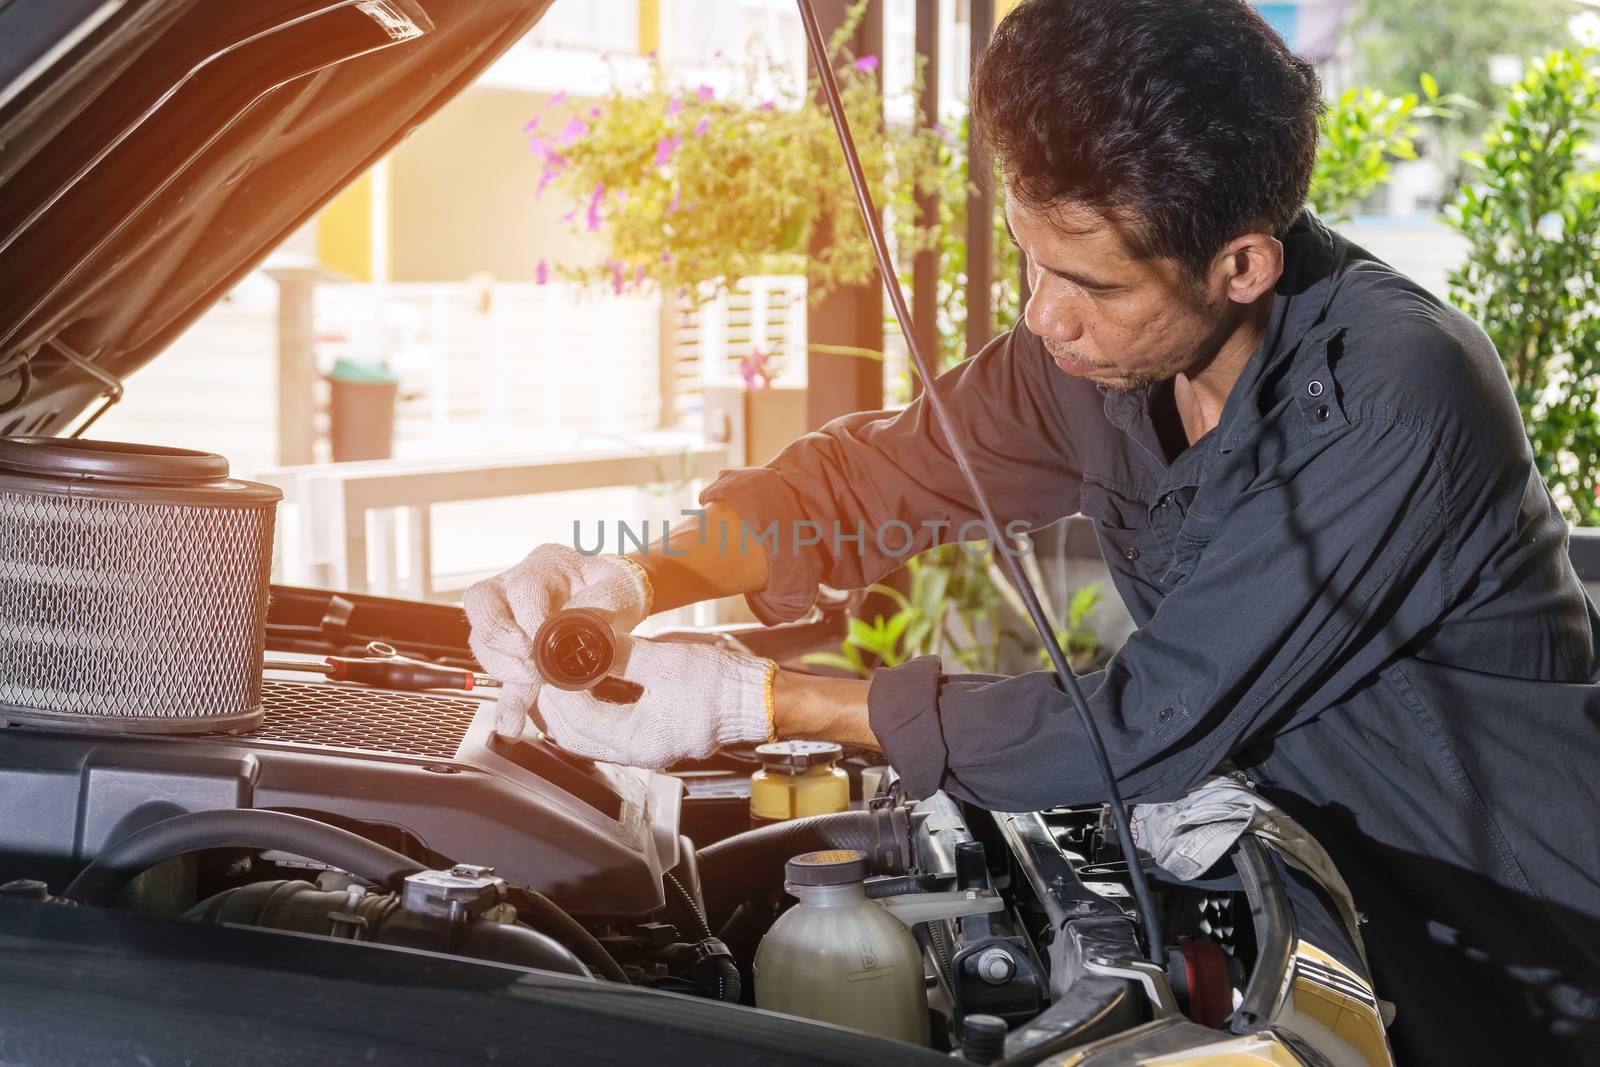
pixel 1183 122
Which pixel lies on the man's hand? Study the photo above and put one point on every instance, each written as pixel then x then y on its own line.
pixel 507 610
pixel 697 698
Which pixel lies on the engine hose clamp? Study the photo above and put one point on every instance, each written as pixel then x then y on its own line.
pixel 348 927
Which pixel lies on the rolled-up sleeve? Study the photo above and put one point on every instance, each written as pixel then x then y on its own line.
pixel 1338 557
pixel 849 503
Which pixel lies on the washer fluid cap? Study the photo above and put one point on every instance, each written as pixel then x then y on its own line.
pixel 796 757
pixel 834 866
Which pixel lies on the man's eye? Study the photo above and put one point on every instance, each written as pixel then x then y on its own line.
pixel 1076 283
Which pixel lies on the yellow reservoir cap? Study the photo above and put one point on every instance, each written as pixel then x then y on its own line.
pixel 796 779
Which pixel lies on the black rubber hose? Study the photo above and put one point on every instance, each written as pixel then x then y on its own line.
pixel 725 982
pixel 742 933
pixel 520 946
pixel 747 865
pixel 126 859
pixel 716 971
pixel 898 886
pixel 544 915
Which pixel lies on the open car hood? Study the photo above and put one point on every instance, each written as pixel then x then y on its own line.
pixel 152 152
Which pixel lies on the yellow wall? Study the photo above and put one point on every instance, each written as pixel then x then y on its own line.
pixel 344 231
pixel 462 200
pixel 649 26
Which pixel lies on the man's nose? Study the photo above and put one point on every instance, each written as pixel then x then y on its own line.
pixel 1052 316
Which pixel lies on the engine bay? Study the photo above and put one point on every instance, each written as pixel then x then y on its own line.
pixel 410 823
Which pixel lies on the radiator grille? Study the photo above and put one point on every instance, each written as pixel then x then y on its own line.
pixel 372 720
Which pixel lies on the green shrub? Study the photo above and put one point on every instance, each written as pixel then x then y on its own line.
pixel 1531 213
pixel 1361 134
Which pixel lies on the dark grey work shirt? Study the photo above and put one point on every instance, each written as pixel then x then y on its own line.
pixel 1356 587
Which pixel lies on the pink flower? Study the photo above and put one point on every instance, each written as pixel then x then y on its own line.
pixel 545 179
pixel 616 277
pixel 541 273
pixel 665 147
pixel 574 129
pixel 769 105
pixel 593 219
pixel 867 64
pixel 560 95
pixel 638 275
pixel 674 106
pixel 569 216
pixel 595 112
pixel 701 127
pixel 753 369
pixel 538 147
pixel 705 92
pixel 675 202
pixel 531 125
pixel 621 196
pixel 666 257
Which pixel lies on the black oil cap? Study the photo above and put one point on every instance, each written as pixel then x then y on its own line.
pixel 574 648
pixel 794 757
pixel 834 866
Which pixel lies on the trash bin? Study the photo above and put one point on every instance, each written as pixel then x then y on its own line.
pixel 361 410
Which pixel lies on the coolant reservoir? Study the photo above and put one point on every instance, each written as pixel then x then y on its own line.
pixel 840 958
pixel 796 779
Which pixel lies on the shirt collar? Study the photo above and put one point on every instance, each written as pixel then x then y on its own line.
pixel 1312 261
pixel 1312 257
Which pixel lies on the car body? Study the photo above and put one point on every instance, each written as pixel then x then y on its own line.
pixel 151 153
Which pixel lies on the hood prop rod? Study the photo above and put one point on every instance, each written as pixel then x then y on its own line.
pixel 1013 569
pixel 113 391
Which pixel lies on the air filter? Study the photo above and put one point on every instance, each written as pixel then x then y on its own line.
pixel 133 587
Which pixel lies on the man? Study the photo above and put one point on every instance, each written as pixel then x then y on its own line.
pixel 1309 479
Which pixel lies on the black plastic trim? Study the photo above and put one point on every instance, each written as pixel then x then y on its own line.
pixel 1275 935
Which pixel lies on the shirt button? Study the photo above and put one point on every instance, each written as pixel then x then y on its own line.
pixel 1314 388
pixel 1130 553
pixel 1165 716
pixel 1323 413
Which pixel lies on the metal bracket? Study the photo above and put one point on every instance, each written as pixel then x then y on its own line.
pixel 1147 974
pixel 913 908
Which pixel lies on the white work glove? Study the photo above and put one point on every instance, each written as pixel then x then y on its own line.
pixel 507 610
pixel 697 698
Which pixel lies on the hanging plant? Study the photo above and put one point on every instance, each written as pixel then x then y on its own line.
pixel 691 191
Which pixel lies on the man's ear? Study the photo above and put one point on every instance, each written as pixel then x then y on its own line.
pixel 1250 266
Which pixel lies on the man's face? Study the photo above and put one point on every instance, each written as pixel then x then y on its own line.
pixel 1106 316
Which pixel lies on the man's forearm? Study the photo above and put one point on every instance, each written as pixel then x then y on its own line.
pixel 822 709
pixel 699 564
pixel 703 559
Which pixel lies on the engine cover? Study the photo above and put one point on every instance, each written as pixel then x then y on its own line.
pixel 593 837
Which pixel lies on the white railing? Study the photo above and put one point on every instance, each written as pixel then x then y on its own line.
pixel 502 365
pixel 369 527
pixel 765 311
